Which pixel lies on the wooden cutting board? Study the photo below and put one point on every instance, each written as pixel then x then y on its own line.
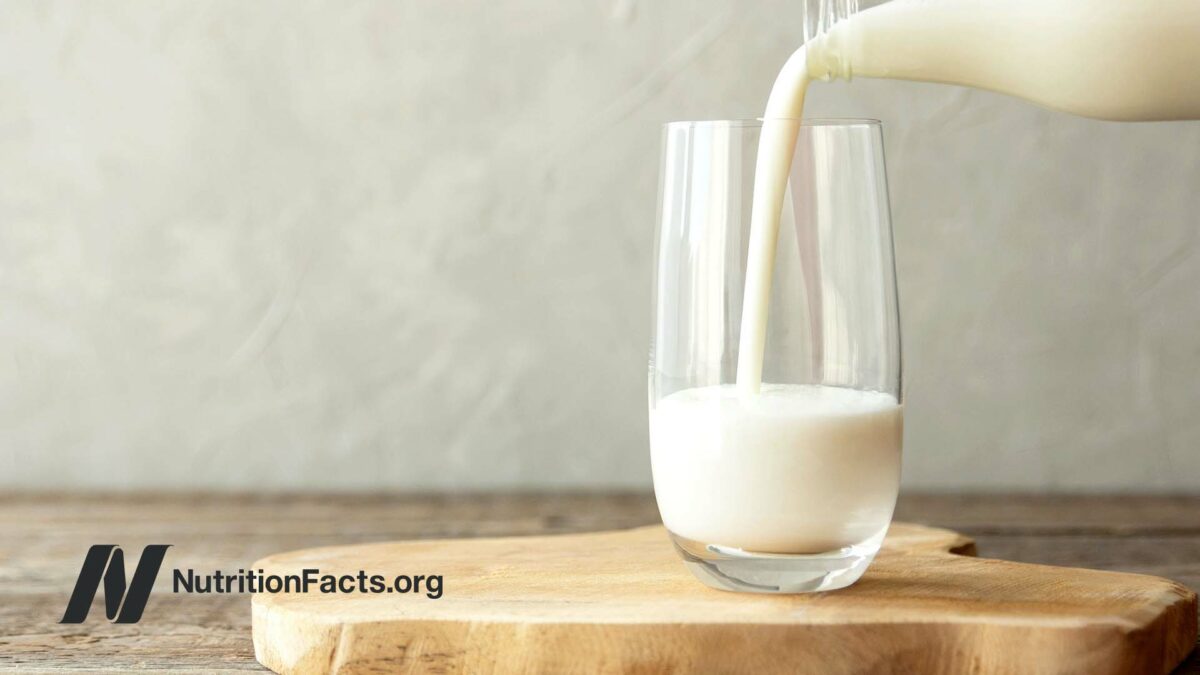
pixel 623 602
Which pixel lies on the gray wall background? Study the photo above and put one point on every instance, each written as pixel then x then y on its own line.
pixel 385 245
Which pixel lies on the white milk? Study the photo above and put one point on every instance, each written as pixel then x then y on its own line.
pixel 794 469
pixel 808 468
pixel 1111 59
pixel 777 142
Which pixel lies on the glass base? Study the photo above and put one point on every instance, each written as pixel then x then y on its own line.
pixel 732 569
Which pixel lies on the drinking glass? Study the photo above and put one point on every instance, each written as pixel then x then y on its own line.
pixel 790 489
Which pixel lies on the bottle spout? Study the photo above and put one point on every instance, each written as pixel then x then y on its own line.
pixel 823 38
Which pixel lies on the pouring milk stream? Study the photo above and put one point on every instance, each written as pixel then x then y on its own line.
pixel 807 454
pixel 1108 59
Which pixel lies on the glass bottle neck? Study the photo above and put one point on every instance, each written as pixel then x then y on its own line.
pixel 826 51
pixel 821 15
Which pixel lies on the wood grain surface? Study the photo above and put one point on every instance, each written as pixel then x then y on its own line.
pixel 43 538
pixel 622 602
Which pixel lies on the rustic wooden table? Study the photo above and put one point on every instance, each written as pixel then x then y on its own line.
pixel 43 539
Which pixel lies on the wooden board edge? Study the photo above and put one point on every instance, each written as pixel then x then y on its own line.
pixel 464 646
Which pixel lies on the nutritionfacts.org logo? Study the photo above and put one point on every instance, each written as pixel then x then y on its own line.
pixel 125 600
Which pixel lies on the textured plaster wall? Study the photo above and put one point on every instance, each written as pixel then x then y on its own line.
pixel 408 245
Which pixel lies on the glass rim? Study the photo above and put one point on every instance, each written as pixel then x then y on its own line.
pixel 758 122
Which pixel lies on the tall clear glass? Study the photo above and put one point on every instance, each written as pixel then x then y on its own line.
pixel 790 489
